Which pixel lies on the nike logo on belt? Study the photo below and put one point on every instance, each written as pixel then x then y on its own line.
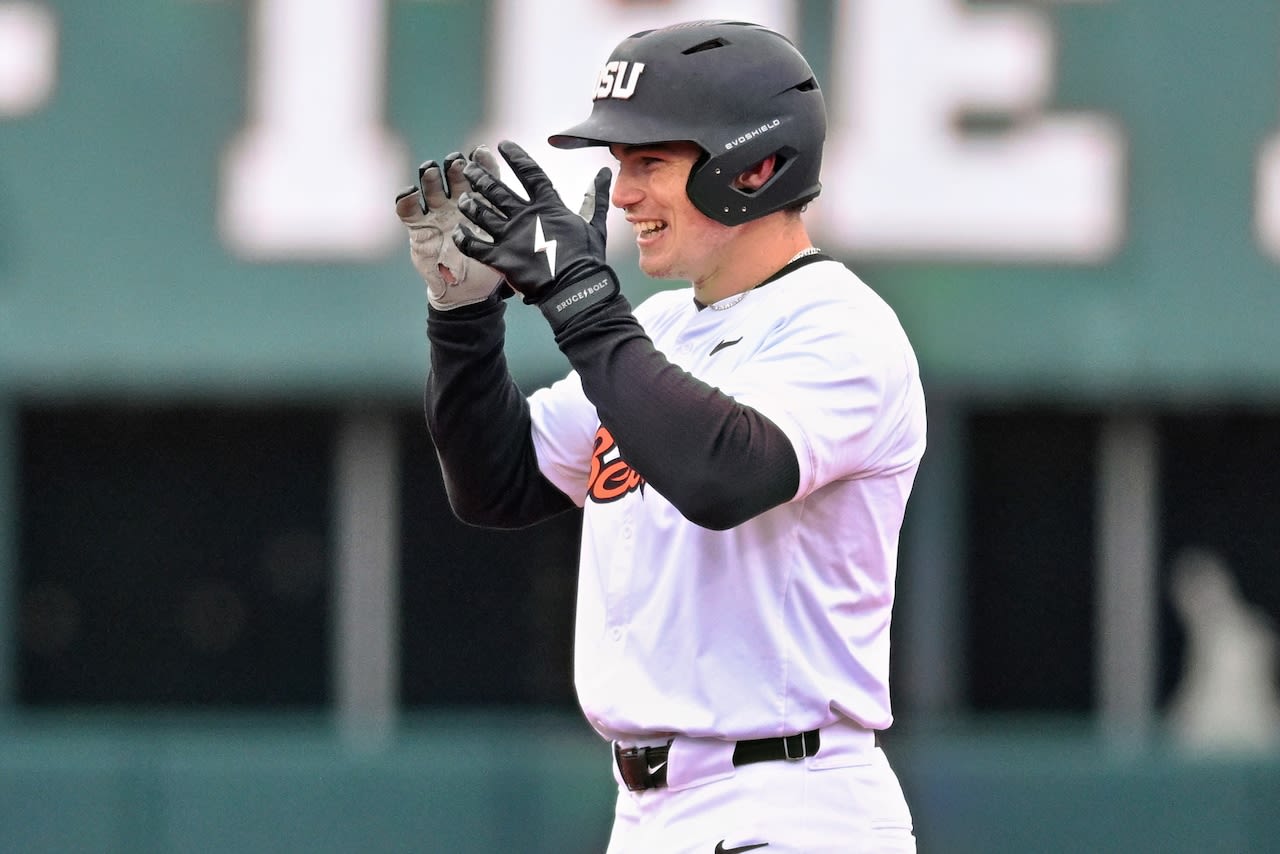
pixel 717 349
pixel 720 849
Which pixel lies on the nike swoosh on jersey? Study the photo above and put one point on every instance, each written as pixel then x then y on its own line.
pixel 723 344
pixel 720 849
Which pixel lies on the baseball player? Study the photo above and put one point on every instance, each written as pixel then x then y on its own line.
pixel 742 448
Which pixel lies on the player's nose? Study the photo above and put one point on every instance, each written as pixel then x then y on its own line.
pixel 626 192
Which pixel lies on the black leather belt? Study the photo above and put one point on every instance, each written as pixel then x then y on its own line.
pixel 646 767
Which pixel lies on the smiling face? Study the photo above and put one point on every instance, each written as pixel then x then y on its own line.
pixel 678 241
pixel 675 239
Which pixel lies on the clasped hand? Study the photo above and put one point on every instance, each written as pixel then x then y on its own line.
pixel 430 212
pixel 539 245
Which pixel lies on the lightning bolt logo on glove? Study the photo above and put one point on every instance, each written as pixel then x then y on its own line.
pixel 541 244
pixel 574 277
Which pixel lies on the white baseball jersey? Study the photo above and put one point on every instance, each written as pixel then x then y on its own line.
pixel 779 625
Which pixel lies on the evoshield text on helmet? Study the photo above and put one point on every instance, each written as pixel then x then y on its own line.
pixel 740 91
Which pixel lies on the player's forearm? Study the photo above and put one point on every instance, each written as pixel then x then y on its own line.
pixel 719 462
pixel 479 421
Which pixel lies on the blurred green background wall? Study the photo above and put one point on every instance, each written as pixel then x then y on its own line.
pixel 235 612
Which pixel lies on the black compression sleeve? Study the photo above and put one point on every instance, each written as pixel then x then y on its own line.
pixel 479 421
pixel 717 461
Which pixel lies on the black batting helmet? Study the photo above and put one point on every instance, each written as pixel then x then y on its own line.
pixel 740 91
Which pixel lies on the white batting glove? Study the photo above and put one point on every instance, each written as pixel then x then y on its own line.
pixel 430 213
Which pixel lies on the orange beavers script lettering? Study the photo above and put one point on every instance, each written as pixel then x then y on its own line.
pixel 611 480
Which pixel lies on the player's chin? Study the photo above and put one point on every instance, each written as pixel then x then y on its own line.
pixel 657 261
pixel 656 267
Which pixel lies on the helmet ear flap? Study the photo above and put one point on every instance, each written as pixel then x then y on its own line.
pixel 758 175
pixel 785 160
pixel 713 182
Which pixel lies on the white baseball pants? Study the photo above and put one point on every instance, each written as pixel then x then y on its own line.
pixel 846 799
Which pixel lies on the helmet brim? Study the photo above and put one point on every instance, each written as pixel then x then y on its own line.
pixel 605 128
pixel 576 137
pixel 592 132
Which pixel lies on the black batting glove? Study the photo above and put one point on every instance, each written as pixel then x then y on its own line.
pixel 553 257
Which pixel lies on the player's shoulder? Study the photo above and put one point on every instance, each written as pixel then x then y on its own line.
pixel 830 290
pixel 826 305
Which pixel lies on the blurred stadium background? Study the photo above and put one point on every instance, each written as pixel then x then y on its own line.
pixel 235 614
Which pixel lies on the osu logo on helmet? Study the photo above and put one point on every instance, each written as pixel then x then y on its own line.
pixel 611 476
pixel 614 82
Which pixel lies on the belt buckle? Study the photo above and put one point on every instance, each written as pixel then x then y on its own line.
pixel 800 749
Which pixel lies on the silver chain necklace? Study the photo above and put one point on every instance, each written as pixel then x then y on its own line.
pixel 804 253
pixel 730 302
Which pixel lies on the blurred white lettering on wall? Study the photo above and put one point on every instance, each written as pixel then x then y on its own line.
pixel 903 177
pixel 312 175
pixel 28 57
pixel 1268 203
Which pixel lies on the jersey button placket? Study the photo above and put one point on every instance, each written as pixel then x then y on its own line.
pixel 620 580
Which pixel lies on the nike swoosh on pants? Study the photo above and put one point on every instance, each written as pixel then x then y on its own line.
pixel 720 849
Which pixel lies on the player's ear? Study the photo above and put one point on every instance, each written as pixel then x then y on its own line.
pixel 757 176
